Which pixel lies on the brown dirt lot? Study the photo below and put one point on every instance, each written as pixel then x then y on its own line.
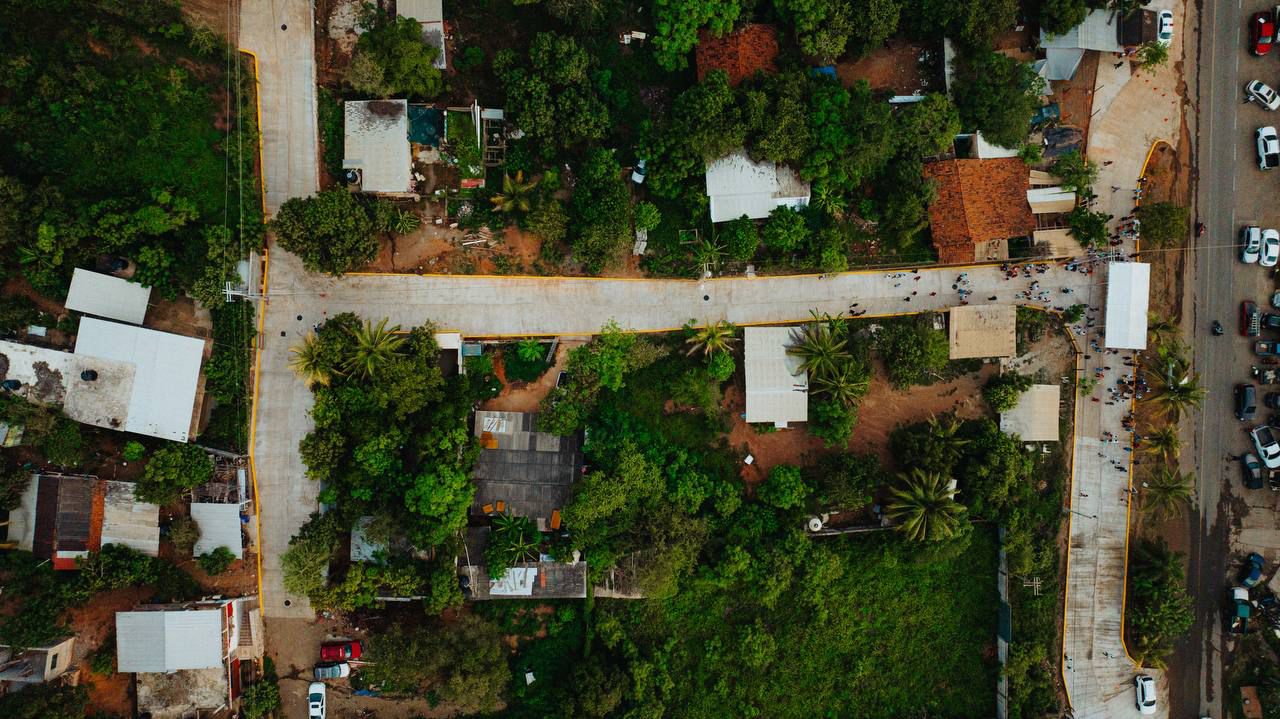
pixel 220 16
pixel 525 396
pixel 92 624
pixel 882 410
pixel 894 67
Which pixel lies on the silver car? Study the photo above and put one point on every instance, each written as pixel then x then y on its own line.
pixel 1261 93
pixel 1144 693
pixel 332 670
pixel 1270 255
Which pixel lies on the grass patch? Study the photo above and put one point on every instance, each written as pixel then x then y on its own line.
pixel 518 368
pixel 460 133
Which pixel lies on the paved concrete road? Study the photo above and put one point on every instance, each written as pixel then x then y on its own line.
pixel 279 32
pixel 1231 191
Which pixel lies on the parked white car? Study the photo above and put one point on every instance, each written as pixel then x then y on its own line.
pixel 1261 93
pixel 1164 31
pixel 315 701
pixel 639 172
pixel 1268 148
pixel 1144 691
pixel 1264 440
pixel 1270 248
pixel 1250 244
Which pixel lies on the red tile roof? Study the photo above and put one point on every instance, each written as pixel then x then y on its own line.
pixel 740 54
pixel 978 201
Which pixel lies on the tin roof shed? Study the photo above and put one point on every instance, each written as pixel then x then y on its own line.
pixel 166 641
pixel 94 293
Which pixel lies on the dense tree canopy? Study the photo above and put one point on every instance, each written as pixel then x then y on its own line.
pixel 392 59
pixel 331 231
pixel 997 95
pixel 601 212
pixel 553 93
pixel 677 23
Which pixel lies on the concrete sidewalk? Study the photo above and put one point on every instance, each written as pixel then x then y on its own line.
pixel 279 33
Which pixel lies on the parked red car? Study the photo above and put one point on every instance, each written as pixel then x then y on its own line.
pixel 340 651
pixel 1262 33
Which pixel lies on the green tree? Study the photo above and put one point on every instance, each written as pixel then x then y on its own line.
pixel 306 561
pixel 1175 387
pixel 373 348
pixel 1153 54
pixel 1088 227
pixel 705 123
pixel 184 533
pixel 784 488
pixel 172 470
pixel 511 541
pixel 311 363
pixel 1076 172
pixel 712 338
pixel 823 27
pixel 46 701
pixel 997 95
pixel 1158 609
pixel 846 384
pixel 1002 392
pixel 676 25
pixel 924 506
pixel 463 663
pixel 912 349
pixel 831 421
pixel 926 128
pixel 601 212
pixel 261 699
pixel 515 196
pixel 396 47
pixel 217 561
pixel 647 216
pixel 331 231
pixel 785 230
pixel 721 366
pixel 821 348
pixel 1059 16
pixel 549 221
pixel 741 238
pixel 1164 224
pixel 1167 493
pixel 852 136
pixel 64 443
pixel 848 481
pixel 1163 441
pixel 554 94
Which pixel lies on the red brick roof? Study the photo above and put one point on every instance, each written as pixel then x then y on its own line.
pixel 740 54
pixel 978 201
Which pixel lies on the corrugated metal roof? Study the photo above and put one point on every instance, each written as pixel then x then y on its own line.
pixel 1128 294
pixel 421 10
pixel 94 293
pixel 127 521
pixel 165 641
pixel 737 186
pixel 1035 418
pixel 983 331
pixel 1099 31
pixel 219 527
pixel 777 389
pixel 166 371
pixel 376 142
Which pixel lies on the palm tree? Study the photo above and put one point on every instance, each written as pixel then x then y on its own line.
pixel 518 537
pixel 406 221
pixel 945 431
pixel 924 504
pixel 1167 493
pixel 821 349
pixel 1164 441
pixel 712 339
pixel 309 363
pixel 515 195
pixel 1160 328
pixel 1176 387
pixel 846 384
pixel 374 346
pixel 708 253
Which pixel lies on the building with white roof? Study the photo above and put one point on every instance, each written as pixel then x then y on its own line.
pixel 1035 417
pixel 430 15
pixel 93 293
pixel 120 377
pixel 1128 296
pixel 738 186
pixel 982 331
pixel 777 389
pixel 1100 31
pixel 219 527
pixel 376 142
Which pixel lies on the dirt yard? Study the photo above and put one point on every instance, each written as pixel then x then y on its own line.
pixel 900 67
pixel 220 16
pixel 882 410
pixel 525 396
pixel 92 624
pixel 1075 96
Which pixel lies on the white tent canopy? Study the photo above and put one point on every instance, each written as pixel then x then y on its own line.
pixel 1128 294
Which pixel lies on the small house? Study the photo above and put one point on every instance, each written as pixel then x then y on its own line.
pixel 36 665
pixel 522 471
pixel 777 387
pixel 64 517
pixel 982 331
pixel 738 186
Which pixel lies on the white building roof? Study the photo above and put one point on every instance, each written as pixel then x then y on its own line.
pixel 1128 293
pixel 1099 31
pixel 103 402
pixel 128 521
pixel 1035 418
pixel 376 142
pixel 777 389
pixel 982 331
pixel 737 186
pixel 421 10
pixel 1061 63
pixel 94 293
pixel 1050 199
pixel 166 641
pixel 515 582
pixel 166 373
pixel 219 527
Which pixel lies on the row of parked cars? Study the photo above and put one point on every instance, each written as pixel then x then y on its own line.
pixel 1262 466
pixel 335 663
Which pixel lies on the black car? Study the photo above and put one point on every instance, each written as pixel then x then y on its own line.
pixel 1271 400
pixel 1271 321
pixel 1246 402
